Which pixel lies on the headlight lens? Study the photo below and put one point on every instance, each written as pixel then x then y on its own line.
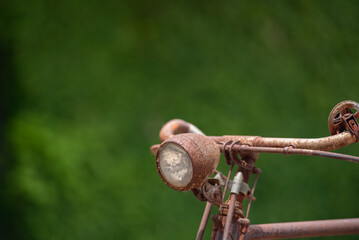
pixel 175 165
pixel 185 161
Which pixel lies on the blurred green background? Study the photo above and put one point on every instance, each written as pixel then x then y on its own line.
pixel 86 86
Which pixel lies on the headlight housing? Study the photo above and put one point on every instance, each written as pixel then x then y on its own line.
pixel 185 161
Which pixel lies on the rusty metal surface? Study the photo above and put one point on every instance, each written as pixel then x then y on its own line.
pixel 154 148
pixel 176 126
pixel 173 127
pixel 235 189
pixel 293 151
pixel 324 144
pixel 252 195
pixel 229 217
pixel 244 223
pixel 204 221
pixel 335 122
pixel 212 191
pixel 234 232
pixel 303 229
pixel 351 124
pixel 203 152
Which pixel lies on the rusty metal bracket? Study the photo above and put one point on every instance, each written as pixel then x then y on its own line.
pixel 244 223
pixel 229 152
pixel 337 120
pixel 199 194
pixel 351 124
pixel 212 191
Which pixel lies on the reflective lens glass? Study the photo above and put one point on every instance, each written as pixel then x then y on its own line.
pixel 175 165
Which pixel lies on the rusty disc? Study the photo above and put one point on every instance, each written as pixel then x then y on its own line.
pixel 335 123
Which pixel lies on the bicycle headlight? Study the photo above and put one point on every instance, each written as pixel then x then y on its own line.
pixel 185 161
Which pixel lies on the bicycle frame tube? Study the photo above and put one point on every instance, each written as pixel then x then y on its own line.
pixel 303 229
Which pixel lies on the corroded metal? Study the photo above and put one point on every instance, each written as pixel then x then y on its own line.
pixel 351 124
pixel 252 195
pixel 154 148
pixel 173 127
pixel 203 152
pixel 303 229
pixel 204 221
pixel 329 143
pixel 240 149
pixel 229 217
pixel 176 126
pixel 235 189
pixel 324 144
pixel 335 121
pixel 212 190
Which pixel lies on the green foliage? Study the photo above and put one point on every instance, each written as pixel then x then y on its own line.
pixel 99 79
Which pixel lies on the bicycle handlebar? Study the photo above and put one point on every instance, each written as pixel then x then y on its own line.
pixel 329 143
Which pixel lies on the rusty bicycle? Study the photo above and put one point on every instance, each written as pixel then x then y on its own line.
pixel 186 159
